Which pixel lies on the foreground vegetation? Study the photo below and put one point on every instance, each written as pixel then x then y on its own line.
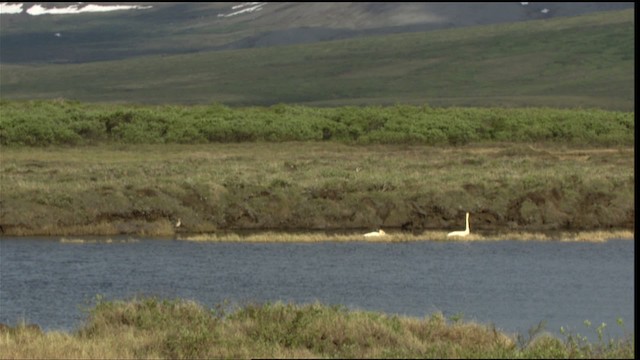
pixel 567 62
pixel 154 328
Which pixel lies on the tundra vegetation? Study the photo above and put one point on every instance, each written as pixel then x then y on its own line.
pixel 182 329
pixel 72 168
pixel 64 122
pixel 581 61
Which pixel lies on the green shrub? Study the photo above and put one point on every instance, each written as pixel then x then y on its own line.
pixel 58 122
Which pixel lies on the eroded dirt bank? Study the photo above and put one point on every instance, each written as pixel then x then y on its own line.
pixel 284 187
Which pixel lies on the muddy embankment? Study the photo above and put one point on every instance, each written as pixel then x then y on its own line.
pixel 538 210
pixel 314 186
pixel 535 211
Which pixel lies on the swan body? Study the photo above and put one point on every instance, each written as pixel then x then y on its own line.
pixel 375 233
pixel 461 233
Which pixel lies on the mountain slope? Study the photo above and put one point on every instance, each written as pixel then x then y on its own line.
pixel 585 61
pixel 178 28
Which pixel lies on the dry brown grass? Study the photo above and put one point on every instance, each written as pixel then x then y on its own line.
pixel 29 344
pixel 587 236
pixel 153 329
pixel 96 241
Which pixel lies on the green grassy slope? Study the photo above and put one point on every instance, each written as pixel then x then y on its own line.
pixel 584 61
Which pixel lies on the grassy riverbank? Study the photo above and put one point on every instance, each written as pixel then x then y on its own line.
pixel 306 186
pixel 71 168
pixel 153 328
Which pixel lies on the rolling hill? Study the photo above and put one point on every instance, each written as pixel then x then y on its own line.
pixel 66 33
pixel 578 61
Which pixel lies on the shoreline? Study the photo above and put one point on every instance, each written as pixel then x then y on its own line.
pixel 392 237
pixel 270 236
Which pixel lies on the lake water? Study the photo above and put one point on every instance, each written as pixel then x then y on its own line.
pixel 512 284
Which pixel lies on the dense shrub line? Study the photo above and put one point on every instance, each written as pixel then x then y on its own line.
pixel 60 122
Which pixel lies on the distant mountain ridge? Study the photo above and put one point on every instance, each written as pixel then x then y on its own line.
pixel 179 28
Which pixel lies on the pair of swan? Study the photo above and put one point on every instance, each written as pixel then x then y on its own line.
pixel 381 232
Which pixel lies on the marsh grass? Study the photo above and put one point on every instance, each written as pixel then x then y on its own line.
pixel 283 187
pixel 267 236
pixel 160 328
pixel 96 241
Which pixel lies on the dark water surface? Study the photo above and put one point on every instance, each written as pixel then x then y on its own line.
pixel 512 284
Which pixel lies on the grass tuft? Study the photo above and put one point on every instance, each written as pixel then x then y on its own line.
pixel 181 329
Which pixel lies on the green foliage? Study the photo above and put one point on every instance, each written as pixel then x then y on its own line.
pixel 61 122
pixel 184 329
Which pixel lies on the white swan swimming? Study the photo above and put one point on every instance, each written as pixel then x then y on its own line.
pixel 375 233
pixel 461 233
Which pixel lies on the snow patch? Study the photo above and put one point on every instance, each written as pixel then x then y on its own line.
pixel 6 8
pixel 252 6
pixel 244 4
pixel 105 8
pixel 37 10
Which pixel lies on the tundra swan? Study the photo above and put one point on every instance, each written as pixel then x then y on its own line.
pixel 461 233
pixel 375 233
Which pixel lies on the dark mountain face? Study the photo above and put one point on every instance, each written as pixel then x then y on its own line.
pixel 172 28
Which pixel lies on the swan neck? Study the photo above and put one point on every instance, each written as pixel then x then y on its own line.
pixel 467 228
